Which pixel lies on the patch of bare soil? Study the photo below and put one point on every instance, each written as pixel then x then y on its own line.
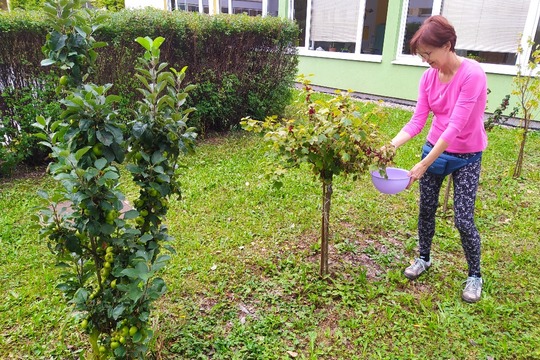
pixel 24 172
pixel 365 249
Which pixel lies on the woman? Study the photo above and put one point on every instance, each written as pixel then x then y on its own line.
pixel 454 89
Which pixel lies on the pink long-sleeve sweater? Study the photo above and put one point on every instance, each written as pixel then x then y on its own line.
pixel 458 108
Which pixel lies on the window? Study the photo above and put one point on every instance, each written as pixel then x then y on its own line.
pixel 487 30
pixel 348 26
pixel 249 7
pixel 190 5
pixel 417 12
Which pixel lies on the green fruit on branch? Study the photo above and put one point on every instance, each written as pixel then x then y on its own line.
pixel 64 80
pixel 124 331
pixel 97 149
pixel 133 330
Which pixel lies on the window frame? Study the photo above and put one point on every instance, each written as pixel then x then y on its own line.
pixel 199 4
pixel 357 55
pixel 264 6
pixel 212 10
pixel 529 30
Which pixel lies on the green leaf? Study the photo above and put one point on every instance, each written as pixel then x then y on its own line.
pixel 73 244
pixel 117 311
pixel 80 153
pixel 134 169
pixel 99 44
pixel 111 175
pixel 145 42
pixel 160 262
pixel 158 41
pixel 140 271
pixel 112 99
pixel 131 214
pixel 132 290
pixel 43 194
pixel 157 288
pixel 47 62
pixel 137 337
pixel 80 297
pixel 105 137
pixel 107 229
pixel 100 163
pixel 145 238
pixel 157 158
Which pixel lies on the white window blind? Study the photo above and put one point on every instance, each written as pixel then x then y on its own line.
pixel 487 25
pixel 334 20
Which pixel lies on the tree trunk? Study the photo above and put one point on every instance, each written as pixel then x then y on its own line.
pixel 326 199
pixel 519 161
pixel 447 194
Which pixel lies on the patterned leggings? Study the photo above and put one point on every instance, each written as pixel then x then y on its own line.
pixel 465 186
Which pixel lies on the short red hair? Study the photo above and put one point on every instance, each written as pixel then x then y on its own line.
pixel 436 31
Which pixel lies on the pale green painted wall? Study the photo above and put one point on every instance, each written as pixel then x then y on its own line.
pixel 383 79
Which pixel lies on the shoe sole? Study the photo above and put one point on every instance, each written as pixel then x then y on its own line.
pixel 469 301
pixel 412 277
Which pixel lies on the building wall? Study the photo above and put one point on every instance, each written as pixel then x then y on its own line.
pixel 380 76
pixel 384 78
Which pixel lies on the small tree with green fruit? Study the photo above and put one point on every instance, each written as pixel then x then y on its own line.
pixel 336 136
pixel 111 257
pixel 527 90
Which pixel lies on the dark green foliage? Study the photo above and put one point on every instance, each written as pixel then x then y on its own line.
pixel 245 65
pixel 18 111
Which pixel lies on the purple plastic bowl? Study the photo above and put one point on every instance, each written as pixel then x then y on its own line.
pixel 397 180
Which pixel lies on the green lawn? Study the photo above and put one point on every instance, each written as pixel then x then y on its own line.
pixel 244 283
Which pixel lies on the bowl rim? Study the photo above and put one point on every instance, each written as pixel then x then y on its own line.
pixel 375 173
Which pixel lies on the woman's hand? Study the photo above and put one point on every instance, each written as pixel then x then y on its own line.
pixel 416 173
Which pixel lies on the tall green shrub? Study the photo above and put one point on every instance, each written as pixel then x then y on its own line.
pixel 110 256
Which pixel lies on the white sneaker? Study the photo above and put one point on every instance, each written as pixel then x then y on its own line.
pixel 416 269
pixel 473 289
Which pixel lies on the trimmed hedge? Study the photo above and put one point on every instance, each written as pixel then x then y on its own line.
pixel 243 65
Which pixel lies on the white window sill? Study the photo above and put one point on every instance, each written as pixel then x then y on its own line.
pixel 339 55
pixel 488 68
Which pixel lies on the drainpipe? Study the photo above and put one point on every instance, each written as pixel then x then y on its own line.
pixel 213 7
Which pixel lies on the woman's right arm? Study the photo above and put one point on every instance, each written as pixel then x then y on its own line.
pixel 401 138
pixel 419 118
